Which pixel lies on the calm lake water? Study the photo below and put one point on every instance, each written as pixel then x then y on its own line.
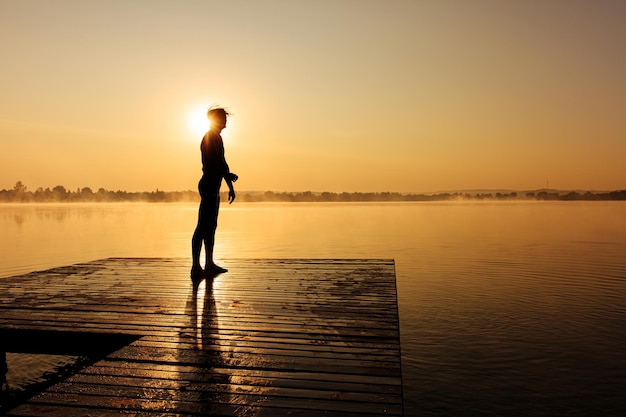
pixel 506 308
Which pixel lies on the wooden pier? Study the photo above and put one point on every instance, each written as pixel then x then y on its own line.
pixel 271 337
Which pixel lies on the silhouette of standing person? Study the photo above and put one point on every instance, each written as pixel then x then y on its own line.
pixel 214 168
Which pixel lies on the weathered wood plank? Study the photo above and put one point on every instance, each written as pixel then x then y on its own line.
pixel 211 403
pixel 170 371
pixel 298 337
pixel 315 381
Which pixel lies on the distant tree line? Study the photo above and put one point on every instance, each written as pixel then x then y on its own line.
pixel 20 194
pixel 309 196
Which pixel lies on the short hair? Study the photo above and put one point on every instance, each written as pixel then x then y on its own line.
pixel 218 113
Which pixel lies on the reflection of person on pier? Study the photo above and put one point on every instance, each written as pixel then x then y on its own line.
pixel 214 168
pixel 204 356
pixel 202 313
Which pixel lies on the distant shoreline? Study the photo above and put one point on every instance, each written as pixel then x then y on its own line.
pixel 58 194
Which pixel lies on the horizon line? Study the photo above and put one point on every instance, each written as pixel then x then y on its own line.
pixel 19 186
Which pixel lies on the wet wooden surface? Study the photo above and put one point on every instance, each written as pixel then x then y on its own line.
pixel 271 337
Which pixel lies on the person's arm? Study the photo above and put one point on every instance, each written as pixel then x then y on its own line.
pixel 229 177
pixel 231 189
pixel 222 158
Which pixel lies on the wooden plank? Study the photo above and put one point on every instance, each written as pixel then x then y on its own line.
pixel 99 374
pixel 296 337
pixel 169 371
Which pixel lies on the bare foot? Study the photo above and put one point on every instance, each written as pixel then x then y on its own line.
pixel 214 269
pixel 197 273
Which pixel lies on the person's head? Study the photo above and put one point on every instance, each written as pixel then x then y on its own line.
pixel 217 116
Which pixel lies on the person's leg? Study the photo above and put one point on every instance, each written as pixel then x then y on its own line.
pixel 209 239
pixel 209 243
pixel 198 234
pixel 207 222
pixel 196 247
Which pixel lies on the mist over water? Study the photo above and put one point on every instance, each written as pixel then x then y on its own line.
pixel 506 308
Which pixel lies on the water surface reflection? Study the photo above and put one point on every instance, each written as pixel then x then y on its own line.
pixel 503 306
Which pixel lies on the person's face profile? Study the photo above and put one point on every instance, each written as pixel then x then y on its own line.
pixel 219 122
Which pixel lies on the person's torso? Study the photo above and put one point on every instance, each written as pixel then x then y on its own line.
pixel 212 150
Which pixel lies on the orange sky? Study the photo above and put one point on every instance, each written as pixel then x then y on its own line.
pixel 409 96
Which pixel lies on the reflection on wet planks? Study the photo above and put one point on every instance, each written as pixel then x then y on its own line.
pixel 297 337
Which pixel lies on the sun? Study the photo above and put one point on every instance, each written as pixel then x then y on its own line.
pixel 197 122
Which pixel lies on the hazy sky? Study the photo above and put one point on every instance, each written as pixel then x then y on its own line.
pixel 326 95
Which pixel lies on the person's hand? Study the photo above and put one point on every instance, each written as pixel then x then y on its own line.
pixel 231 196
pixel 233 177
